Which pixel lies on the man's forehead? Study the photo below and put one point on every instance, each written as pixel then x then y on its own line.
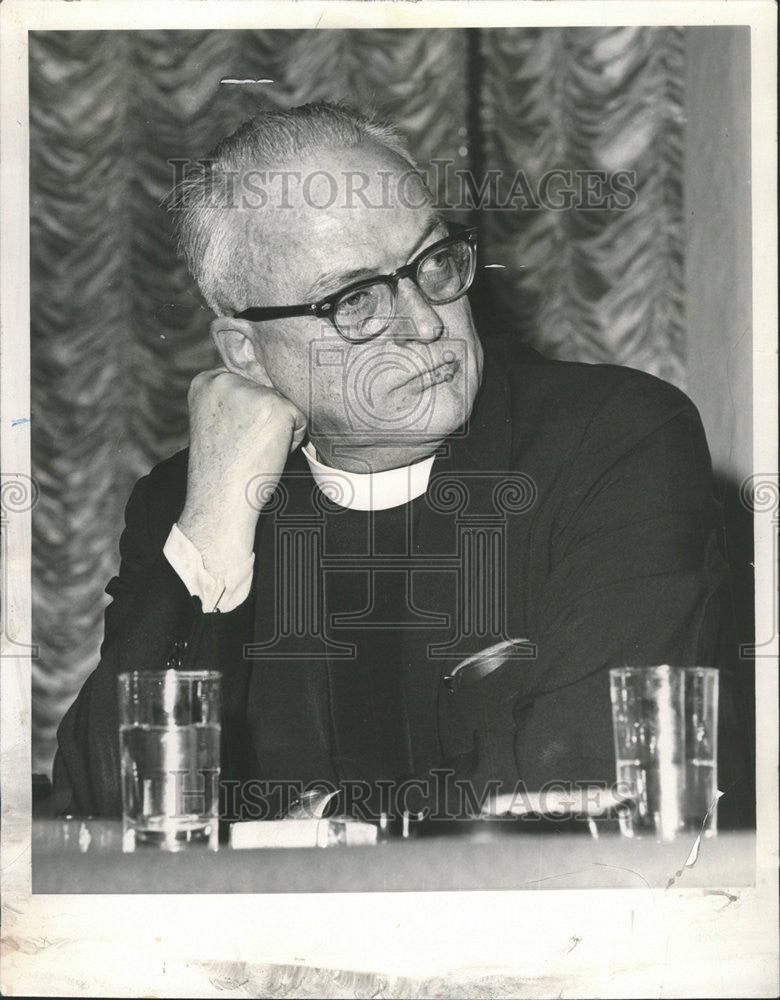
pixel 308 262
pixel 367 175
pixel 340 212
pixel 321 192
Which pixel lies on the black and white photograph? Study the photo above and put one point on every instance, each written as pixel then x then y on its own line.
pixel 389 499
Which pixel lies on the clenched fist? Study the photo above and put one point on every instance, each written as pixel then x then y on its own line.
pixel 238 430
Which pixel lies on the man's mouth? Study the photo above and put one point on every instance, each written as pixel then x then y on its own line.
pixel 445 371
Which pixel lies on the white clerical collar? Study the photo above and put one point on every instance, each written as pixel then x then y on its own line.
pixel 369 490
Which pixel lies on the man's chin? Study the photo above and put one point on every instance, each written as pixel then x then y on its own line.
pixel 423 439
pixel 408 441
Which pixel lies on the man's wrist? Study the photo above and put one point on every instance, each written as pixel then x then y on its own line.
pixel 223 541
pixel 217 592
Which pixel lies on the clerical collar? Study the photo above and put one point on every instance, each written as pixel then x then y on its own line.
pixel 369 490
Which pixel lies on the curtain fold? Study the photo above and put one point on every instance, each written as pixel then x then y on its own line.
pixel 118 329
pixel 589 284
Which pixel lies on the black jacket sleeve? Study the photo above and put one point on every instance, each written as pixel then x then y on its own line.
pixel 152 623
pixel 634 578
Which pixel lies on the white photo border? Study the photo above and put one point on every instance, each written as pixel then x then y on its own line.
pixel 202 945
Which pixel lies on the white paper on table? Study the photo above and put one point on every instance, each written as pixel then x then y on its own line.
pixel 302 833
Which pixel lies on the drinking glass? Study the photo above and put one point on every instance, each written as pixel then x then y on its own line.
pixel 665 730
pixel 169 733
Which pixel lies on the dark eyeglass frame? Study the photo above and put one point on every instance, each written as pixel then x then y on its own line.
pixel 327 306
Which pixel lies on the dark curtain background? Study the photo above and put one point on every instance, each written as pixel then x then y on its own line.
pixel 118 329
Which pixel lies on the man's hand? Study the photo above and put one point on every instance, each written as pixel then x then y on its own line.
pixel 238 430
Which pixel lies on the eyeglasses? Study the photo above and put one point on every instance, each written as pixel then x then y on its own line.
pixel 442 272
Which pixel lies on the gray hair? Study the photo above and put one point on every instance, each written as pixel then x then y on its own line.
pixel 204 234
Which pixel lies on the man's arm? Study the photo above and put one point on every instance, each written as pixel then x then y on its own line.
pixel 149 619
pixel 152 623
pixel 238 430
pixel 634 578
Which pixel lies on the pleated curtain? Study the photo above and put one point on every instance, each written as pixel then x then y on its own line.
pixel 118 328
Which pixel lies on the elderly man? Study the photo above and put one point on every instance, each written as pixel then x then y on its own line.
pixel 368 499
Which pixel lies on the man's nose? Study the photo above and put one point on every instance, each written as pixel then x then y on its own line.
pixel 415 318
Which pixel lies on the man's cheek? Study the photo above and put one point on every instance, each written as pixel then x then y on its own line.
pixel 327 400
pixel 458 318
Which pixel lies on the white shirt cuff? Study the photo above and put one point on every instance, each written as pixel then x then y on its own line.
pixel 221 594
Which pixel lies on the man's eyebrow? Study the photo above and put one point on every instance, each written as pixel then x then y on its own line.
pixel 338 279
pixel 434 222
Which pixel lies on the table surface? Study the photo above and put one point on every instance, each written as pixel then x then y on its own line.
pixel 712 934
pixel 85 856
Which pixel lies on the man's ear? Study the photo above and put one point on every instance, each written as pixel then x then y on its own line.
pixel 234 339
